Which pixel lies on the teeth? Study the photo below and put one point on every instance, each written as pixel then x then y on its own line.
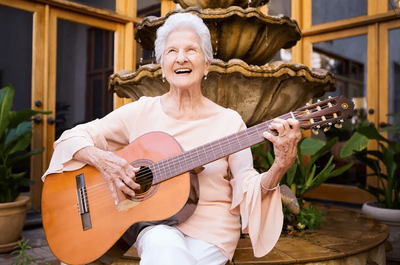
pixel 183 71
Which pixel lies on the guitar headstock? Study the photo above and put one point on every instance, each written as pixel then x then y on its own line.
pixel 325 113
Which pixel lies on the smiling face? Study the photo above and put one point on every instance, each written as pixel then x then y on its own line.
pixel 183 62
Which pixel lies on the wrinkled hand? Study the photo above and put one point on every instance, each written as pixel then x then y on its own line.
pixel 285 143
pixel 118 173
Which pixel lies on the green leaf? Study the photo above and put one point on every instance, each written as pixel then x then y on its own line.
pixel 21 143
pixel 18 159
pixel 6 99
pixel 309 146
pixel 373 133
pixel 22 116
pixel 290 174
pixel 311 218
pixel 16 132
pixel 18 175
pixel 357 142
pixel 340 170
pixel 320 152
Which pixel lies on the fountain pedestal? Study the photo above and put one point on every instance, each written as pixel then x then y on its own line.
pixel 345 238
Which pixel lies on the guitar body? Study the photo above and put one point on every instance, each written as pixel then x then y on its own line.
pixel 106 231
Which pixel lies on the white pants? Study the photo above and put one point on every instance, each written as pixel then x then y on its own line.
pixel 167 245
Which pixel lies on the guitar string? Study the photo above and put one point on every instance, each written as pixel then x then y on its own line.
pixel 148 176
pixel 93 199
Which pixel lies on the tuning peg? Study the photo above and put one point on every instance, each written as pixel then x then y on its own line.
pixel 329 124
pixel 315 130
pixel 338 125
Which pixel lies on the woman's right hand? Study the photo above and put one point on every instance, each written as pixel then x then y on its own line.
pixel 118 173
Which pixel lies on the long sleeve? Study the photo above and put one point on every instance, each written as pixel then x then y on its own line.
pixel 108 133
pixel 262 219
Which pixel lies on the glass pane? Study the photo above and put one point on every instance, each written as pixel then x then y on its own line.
pixel 347 59
pixel 324 11
pixel 146 8
pixel 394 78
pixel 16 54
pixel 16 63
pixel 105 4
pixel 281 7
pixel 84 63
pixel 393 4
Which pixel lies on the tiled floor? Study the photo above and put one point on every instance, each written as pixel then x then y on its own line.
pixel 40 250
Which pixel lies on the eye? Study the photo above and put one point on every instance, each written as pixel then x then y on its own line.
pixel 170 50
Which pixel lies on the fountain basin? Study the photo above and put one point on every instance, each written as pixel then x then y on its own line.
pixel 258 93
pixel 245 34
pixel 220 3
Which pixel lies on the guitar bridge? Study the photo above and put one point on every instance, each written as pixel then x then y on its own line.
pixel 83 206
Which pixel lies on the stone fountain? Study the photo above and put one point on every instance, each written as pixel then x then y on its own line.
pixel 244 40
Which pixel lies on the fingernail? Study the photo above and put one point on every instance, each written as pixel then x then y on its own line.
pixel 116 202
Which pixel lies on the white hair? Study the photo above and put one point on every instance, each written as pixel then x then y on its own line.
pixel 183 21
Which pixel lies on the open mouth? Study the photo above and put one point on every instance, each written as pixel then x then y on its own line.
pixel 183 71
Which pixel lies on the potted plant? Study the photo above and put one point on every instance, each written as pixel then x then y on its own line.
pixel 15 138
pixel 385 164
pixel 302 178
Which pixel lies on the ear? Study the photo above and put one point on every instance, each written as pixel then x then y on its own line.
pixel 207 68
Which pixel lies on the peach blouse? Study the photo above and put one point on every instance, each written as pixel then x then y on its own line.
pixel 216 218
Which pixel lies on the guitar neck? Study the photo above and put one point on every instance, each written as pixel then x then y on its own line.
pixel 322 113
pixel 209 152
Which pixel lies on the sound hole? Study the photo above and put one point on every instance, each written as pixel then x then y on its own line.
pixel 144 177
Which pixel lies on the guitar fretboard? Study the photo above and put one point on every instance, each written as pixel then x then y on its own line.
pixel 207 153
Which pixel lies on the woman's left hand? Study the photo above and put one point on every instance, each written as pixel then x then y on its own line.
pixel 285 143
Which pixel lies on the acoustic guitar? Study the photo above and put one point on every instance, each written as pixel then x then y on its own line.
pixel 83 225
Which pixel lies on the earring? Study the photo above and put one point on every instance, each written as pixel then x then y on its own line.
pixel 163 79
pixel 205 77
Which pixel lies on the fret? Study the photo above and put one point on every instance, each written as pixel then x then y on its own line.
pixel 211 147
pixel 238 140
pixel 248 139
pixel 221 153
pixel 174 165
pixel 191 158
pixel 229 144
pixel 199 161
pixel 163 167
pixel 205 153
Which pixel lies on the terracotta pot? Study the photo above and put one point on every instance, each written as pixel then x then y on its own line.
pixel 12 220
pixel 220 3
pixel 391 218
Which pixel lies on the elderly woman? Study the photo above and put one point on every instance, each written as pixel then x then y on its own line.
pixel 210 235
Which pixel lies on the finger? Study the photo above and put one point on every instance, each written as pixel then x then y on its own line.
pixel 267 135
pixel 124 188
pixel 113 190
pixel 130 171
pixel 277 126
pixel 294 124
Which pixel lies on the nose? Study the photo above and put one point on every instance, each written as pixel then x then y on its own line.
pixel 181 57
